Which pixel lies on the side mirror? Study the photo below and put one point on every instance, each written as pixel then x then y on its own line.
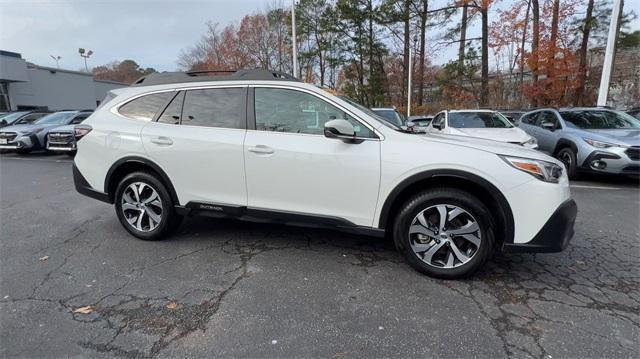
pixel 3 123
pixel 341 129
pixel 438 126
pixel 549 126
pixel 411 126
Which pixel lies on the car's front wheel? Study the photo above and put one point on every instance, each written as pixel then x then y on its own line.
pixel 144 206
pixel 445 233
pixel 568 157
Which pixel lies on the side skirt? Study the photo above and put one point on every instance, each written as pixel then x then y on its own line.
pixel 279 217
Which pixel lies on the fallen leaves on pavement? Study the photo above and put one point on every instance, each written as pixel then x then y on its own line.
pixel 44 258
pixel 172 305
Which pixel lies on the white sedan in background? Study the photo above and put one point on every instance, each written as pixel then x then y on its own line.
pixel 487 124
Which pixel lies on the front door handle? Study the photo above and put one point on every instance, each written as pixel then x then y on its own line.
pixel 261 149
pixel 162 141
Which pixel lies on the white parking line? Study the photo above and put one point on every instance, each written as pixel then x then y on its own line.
pixel 33 159
pixel 594 187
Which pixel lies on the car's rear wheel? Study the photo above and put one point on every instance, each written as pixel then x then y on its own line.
pixel 568 157
pixel 144 206
pixel 445 233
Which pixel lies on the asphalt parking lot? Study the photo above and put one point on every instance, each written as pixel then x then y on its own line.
pixel 227 288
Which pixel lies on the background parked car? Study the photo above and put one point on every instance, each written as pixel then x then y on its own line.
pixel 635 112
pixel 391 115
pixel 419 123
pixel 486 124
pixel 23 138
pixel 512 115
pixel 21 117
pixel 63 139
pixel 591 139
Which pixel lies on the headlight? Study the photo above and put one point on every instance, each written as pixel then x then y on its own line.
pixel 532 141
pixel 600 144
pixel 542 170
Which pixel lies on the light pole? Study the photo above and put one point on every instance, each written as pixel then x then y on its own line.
pixel 608 55
pixel 56 59
pixel 85 55
pixel 293 34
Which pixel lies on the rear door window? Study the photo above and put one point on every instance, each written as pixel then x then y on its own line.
pixel 216 107
pixel 145 107
pixel 172 113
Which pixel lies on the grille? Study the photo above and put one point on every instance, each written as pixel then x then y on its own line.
pixel 9 136
pixel 633 152
pixel 60 137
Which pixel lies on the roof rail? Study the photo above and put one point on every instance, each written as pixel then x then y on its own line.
pixel 160 78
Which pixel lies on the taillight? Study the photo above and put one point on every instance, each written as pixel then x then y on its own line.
pixel 81 130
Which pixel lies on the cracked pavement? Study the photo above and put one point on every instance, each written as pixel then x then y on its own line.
pixel 257 290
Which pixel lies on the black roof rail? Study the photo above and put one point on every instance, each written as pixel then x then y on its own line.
pixel 160 78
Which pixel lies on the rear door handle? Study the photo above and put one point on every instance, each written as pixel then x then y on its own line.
pixel 261 149
pixel 162 141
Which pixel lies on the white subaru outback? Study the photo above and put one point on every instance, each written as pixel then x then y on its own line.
pixel 262 146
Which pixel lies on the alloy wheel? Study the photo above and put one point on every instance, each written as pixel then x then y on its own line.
pixel 141 206
pixel 565 158
pixel 444 236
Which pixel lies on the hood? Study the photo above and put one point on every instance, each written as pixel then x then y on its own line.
pixel 65 128
pixel 512 134
pixel 629 137
pixel 497 147
pixel 30 127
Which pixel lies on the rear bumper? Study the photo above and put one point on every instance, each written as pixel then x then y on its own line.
pixel 83 187
pixel 554 236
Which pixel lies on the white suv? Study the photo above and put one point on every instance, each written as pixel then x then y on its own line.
pixel 262 146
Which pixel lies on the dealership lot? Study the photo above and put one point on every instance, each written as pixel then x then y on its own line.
pixel 227 288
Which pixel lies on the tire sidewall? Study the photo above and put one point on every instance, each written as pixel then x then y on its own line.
pixel 167 205
pixel 461 199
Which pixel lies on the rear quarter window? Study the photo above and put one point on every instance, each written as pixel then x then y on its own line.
pixel 145 107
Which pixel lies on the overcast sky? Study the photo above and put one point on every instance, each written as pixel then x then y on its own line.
pixel 151 32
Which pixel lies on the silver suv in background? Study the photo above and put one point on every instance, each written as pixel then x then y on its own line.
pixel 24 138
pixel 587 139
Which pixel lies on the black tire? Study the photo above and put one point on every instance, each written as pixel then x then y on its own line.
pixel 168 218
pixel 567 156
pixel 450 197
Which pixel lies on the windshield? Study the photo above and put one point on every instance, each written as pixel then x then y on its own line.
pixel 12 116
pixel 599 119
pixel 391 116
pixel 478 120
pixel 58 118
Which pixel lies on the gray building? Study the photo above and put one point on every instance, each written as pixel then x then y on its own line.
pixel 24 85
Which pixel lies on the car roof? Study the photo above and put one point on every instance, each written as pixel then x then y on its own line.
pixel 383 109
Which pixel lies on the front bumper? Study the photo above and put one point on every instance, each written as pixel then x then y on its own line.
pixel 615 161
pixel 21 142
pixel 554 236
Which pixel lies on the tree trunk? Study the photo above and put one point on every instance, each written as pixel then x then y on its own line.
pixel 423 29
pixel 551 52
pixel 405 58
pixel 463 43
pixel 535 46
pixel 484 87
pixel 524 38
pixel 582 70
